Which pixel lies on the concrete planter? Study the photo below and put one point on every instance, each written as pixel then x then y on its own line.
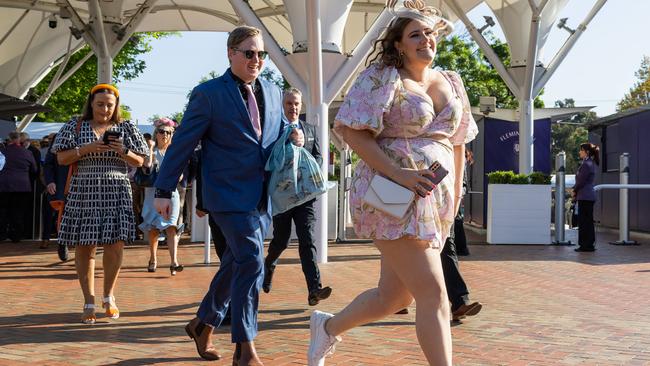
pixel 519 214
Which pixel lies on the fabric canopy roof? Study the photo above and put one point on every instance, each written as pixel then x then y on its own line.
pixel 30 47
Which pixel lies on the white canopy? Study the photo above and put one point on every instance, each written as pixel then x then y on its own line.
pixel 29 47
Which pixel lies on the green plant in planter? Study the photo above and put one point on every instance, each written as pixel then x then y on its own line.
pixel 520 179
pixel 509 177
pixel 539 178
pixel 501 177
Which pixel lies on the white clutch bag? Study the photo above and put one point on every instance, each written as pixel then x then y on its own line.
pixel 388 196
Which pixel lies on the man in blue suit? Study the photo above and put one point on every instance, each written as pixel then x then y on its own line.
pixel 237 118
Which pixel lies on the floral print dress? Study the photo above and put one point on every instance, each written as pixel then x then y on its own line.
pixel 407 129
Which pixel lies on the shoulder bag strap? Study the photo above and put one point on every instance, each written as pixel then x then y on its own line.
pixel 72 169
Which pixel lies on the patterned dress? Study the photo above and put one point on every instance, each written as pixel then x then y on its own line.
pixel 379 102
pixel 99 207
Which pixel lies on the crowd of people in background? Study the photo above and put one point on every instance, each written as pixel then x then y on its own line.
pixel 88 176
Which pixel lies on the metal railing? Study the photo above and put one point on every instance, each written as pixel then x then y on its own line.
pixel 623 199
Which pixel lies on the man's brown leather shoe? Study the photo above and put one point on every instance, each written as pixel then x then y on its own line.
pixel 246 355
pixel 466 310
pixel 202 336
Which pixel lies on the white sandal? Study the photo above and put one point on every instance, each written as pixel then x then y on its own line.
pixel 111 309
pixel 88 318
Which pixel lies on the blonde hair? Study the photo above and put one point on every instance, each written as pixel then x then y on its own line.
pixel 240 34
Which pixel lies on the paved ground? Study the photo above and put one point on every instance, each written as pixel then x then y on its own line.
pixel 543 306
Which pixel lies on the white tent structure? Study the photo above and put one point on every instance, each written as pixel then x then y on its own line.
pixel 36 35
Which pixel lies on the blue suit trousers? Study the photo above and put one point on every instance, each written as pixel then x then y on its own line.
pixel 240 275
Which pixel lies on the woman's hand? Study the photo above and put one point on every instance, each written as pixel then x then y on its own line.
pixel 97 146
pixel 297 137
pixel 418 181
pixel 117 146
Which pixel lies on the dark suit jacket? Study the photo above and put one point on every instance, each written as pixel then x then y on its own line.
pixel 585 176
pixel 20 164
pixel 312 143
pixel 233 159
pixel 55 173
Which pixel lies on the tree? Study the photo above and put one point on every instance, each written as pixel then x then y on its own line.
pixel 639 94
pixel 461 54
pixel 567 135
pixel 69 99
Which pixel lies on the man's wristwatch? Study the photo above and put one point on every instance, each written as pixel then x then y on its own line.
pixel 162 193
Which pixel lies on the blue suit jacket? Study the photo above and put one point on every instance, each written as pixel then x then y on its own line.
pixel 232 158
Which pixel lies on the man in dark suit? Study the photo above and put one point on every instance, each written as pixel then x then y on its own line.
pixel 55 178
pixel 15 188
pixel 237 117
pixel 302 216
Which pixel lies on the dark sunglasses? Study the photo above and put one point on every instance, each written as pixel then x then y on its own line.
pixel 163 132
pixel 250 53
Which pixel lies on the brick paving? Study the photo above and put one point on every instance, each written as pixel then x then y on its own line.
pixel 544 305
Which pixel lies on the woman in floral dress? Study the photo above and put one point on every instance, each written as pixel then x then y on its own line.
pixel 401 116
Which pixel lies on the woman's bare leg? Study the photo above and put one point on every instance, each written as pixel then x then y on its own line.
pixel 407 267
pixel 84 262
pixel 112 263
pixel 153 245
pixel 172 245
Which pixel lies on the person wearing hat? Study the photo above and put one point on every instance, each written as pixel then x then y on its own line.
pixel 404 119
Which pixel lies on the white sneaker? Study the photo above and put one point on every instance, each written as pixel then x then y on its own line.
pixel 321 344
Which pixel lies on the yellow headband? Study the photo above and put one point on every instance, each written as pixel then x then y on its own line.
pixel 105 86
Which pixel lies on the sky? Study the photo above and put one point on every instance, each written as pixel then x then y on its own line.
pixel 598 71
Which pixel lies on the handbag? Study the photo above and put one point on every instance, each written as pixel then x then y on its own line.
pixel 146 179
pixel 388 196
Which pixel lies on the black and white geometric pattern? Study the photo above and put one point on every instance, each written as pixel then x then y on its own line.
pixel 99 207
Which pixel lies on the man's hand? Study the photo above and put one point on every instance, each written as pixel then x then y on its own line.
pixel 51 189
pixel 297 137
pixel 163 206
pixel 200 213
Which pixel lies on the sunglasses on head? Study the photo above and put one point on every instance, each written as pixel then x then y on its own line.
pixel 250 53
pixel 164 132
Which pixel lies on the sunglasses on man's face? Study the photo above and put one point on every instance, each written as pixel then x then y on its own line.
pixel 249 54
pixel 164 132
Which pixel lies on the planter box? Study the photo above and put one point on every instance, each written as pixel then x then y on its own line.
pixel 519 214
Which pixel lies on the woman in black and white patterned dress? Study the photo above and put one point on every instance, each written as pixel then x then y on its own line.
pixel 99 208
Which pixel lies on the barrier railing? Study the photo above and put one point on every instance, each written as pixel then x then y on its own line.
pixel 623 199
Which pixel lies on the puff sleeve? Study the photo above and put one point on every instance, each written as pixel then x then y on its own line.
pixel 133 139
pixel 467 129
pixel 368 99
pixel 66 138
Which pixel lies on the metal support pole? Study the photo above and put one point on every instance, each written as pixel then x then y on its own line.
pixel 560 161
pixel 623 203
pixel 526 121
pixel 104 59
pixel 340 237
pixel 317 114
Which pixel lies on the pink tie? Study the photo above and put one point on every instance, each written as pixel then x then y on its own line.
pixel 253 111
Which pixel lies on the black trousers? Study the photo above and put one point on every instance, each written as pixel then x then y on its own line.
pixel 459 235
pixel 586 230
pixel 13 208
pixel 49 217
pixel 303 217
pixel 457 291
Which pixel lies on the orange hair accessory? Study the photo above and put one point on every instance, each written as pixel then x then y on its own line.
pixel 105 86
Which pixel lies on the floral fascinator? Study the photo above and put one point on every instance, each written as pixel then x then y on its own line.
pixel 164 121
pixel 417 9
